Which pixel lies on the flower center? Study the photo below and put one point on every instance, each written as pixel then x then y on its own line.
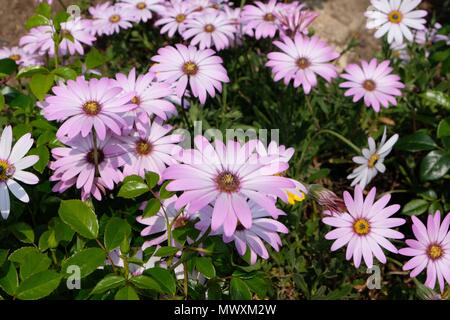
pixel 6 170
pixel 395 16
pixel 303 63
pixel 90 157
pixel 369 85
pixel 143 147
pixel 227 182
pixel 269 17
pixel 15 57
pixel 65 33
pixel 181 221
pixel 373 160
pixel 361 227
pixel 114 18
pixel 135 100
pixel 240 227
pixel 180 18
pixel 92 108
pixel 209 28
pixel 199 9
pixel 190 68
pixel 435 251
pixel 141 5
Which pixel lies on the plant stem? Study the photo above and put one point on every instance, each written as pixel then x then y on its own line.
pixel 311 110
pixel 185 280
pixel 95 154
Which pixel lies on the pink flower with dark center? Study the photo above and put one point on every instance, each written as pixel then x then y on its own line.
pixel 75 33
pixel 212 29
pixel 141 10
pixel 301 60
pixel 38 40
pixel 78 163
pixel 365 227
pixel 108 19
pixel 151 150
pixel 13 161
pixel 84 105
pixel 226 176
pixel 431 250
pixel 295 18
pixel 173 18
pixel 149 98
pixel 20 56
pixel 262 18
pixel 374 82
pixel 202 69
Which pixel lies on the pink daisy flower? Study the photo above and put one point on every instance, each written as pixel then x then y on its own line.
pixel 226 176
pixel 75 33
pixel 301 59
pixel 148 96
pixel 12 164
pixel 20 56
pixel 212 29
pixel 173 18
pixel 202 69
pixel 108 19
pixel 294 18
pixel 141 10
pixel 374 82
pixel 365 227
pixel 84 105
pixel 39 41
pixel 75 165
pixel 152 150
pixel 262 18
pixel 431 250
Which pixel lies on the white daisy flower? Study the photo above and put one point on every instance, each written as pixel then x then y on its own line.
pixel 371 161
pixel 12 163
pixel 395 17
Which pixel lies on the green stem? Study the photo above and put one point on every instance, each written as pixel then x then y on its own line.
pixel 185 280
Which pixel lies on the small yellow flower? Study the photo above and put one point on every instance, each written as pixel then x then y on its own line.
pixel 293 198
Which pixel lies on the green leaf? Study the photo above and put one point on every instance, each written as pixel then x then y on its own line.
pixel 44 158
pixel 437 97
pixel 109 282
pixel 44 9
pixel 47 240
pixel 20 254
pixel 36 21
pixel 88 260
pixel 33 263
pixel 3 256
pixel 443 129
pixel 66 73
pixel 94 59
pixel 2 101
pixel 153 206
pixel 40 84
pixel 9 281
pixel 116 231
pixel 163 193
pixel 259 285
pixel 415 207
pixel 60 17
pixel 152 179
pixel 435 165
pixel 145 282
pixel 126 293
pixel 166 251
pixel 23 232
pixel 239 290
pixel 26 72
pixel 205 266
pixel 132 189
pixel 79 217
pixel 62 231
pixel 164 277
pixel 418 141
pixel 38 285
pixel 7 66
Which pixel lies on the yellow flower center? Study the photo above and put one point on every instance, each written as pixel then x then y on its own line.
pixel 114 18
pixel 293 198
pixel 395 16
pixel 269 17
pixel 209 28
pixel 303 63
pixel 435 251
pixel 92 108
pixel 227 182
pixel 369 85
pixel 143 147
pixel 373 160
pixel 361 227
pixel 15 57
pixel 190 68
pixel 141 5
pixel 180 18
pixel 135 100
pixel 6 170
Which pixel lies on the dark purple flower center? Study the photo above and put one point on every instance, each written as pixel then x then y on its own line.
pixel 93 155
pixel 369 85
pixel 227 182
pixel 303 63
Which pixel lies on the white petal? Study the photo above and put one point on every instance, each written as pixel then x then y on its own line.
pixel 21 148
pixel 5 142
pixel 18 191
pixel 4 200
